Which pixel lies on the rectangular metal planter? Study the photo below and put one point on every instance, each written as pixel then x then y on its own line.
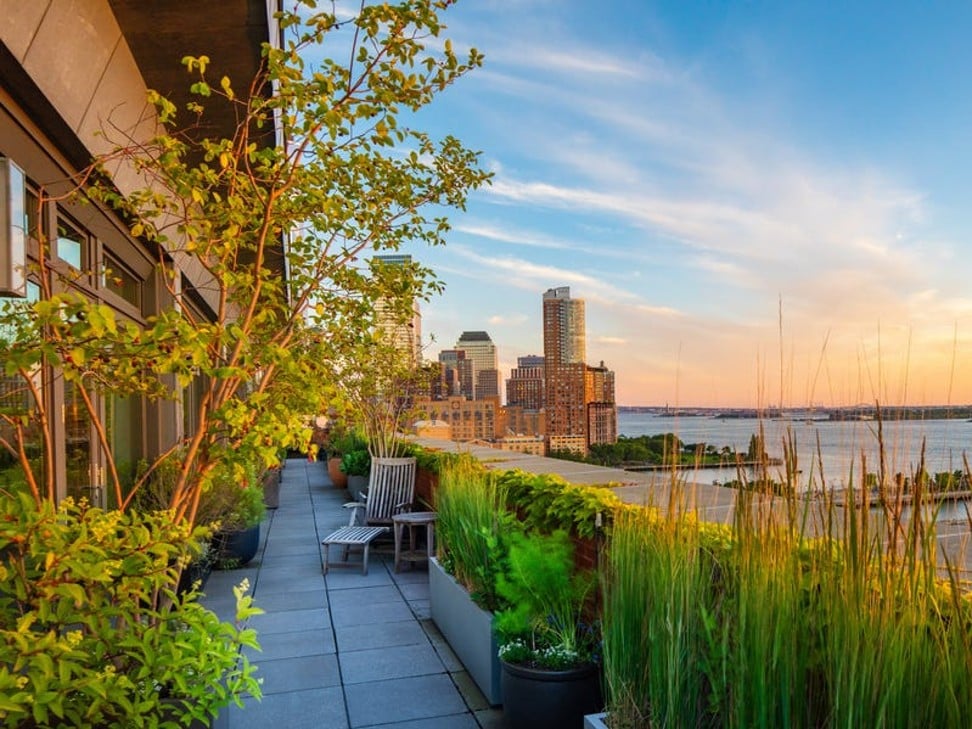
pixel 468 628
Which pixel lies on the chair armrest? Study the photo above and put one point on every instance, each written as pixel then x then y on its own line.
pixel 354 506
pixel 403 508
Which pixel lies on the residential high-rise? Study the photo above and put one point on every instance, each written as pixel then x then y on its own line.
pixel 564 368
pixel 406 333
pixel 564 331
pixel 481 351
pixel 525 386
pixel 602 410
pixel 579 399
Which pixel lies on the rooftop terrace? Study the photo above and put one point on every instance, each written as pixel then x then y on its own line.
pixel 344 649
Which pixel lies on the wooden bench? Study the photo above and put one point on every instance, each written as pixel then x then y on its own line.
pixel 352 536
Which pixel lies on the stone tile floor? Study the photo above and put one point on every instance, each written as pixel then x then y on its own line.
pixel 342 650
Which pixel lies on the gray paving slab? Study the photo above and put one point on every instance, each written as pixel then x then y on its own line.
pixel 345 578
pixel 298 673
pixel 321 708
pixel 385 612
pixel 289 621
pixel 308 642
pixel 455 721
pixel 354 596
pixel 381 635
pixel 301 600
pixel 388 662
pixel 403 699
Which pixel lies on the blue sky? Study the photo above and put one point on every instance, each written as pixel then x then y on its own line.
pixel 692 170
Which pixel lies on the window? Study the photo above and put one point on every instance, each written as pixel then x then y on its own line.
pixel 115 277
pixel 32 216
pixel 71 244
pixel 17 399
pixel 12 220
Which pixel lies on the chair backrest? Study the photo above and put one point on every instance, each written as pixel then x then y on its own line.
pixel 392 485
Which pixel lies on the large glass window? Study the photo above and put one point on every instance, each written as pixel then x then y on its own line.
pixel 120 281
pixel 124 423
pixel 77 439
pixel 17 402
pixel 71 244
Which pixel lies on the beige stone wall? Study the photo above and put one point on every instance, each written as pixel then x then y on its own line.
pixel 75 52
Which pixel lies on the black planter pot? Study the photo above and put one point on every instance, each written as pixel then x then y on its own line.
pixel 193 572
pixel 535 698
pixel 236 548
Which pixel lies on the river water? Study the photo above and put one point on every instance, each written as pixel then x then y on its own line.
pixel 841 444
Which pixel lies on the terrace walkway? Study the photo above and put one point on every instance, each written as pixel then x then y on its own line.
pixel 342 650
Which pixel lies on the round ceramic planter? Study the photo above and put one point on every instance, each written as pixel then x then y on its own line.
pixel 535 698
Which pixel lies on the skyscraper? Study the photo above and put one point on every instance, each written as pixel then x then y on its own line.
pixel 479 349
pixel 564 331
pixel 579 399
pixel 406 334
pixel 564 369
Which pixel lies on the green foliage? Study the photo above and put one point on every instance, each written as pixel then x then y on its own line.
pixel 343 440
pixel 547 502
pixel 356 463
pixel 472 529
pixel 348 179
pixel 231 493
pixel 543 625
pixel 436 461
pixel 91 631
pixel 658 599
pixel 752 624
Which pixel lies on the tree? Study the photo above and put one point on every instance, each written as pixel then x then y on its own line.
pixel 346 178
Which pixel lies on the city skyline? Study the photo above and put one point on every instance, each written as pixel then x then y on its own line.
pixel 758 204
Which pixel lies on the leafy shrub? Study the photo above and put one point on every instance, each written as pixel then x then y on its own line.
pixel 231 495
pixel 92 633
pixel 547 502
pixel 356 462
pixel 542 627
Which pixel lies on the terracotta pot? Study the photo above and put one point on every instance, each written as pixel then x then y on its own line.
pixel 338 477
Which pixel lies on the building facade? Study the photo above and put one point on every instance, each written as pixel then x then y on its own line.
pixel 602 410
pixel 405 332
pixel 564 368
pixel 469 419
pixel 73 76
pixel 578 398
pixel 481 352
pixel 525 387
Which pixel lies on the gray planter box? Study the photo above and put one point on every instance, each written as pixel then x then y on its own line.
pixel 468 628
pixel 357 485
pixel 596 721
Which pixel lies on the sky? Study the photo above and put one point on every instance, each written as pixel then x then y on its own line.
pixel 760 202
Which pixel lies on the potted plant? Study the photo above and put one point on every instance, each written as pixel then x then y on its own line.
pixel 339 441
pixel 470 545
pixel 270 481
pixel 356 464
pixel 98 630
pixel 550 675
pixel 235 497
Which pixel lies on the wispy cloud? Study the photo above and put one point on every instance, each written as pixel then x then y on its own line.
pixel 611 340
